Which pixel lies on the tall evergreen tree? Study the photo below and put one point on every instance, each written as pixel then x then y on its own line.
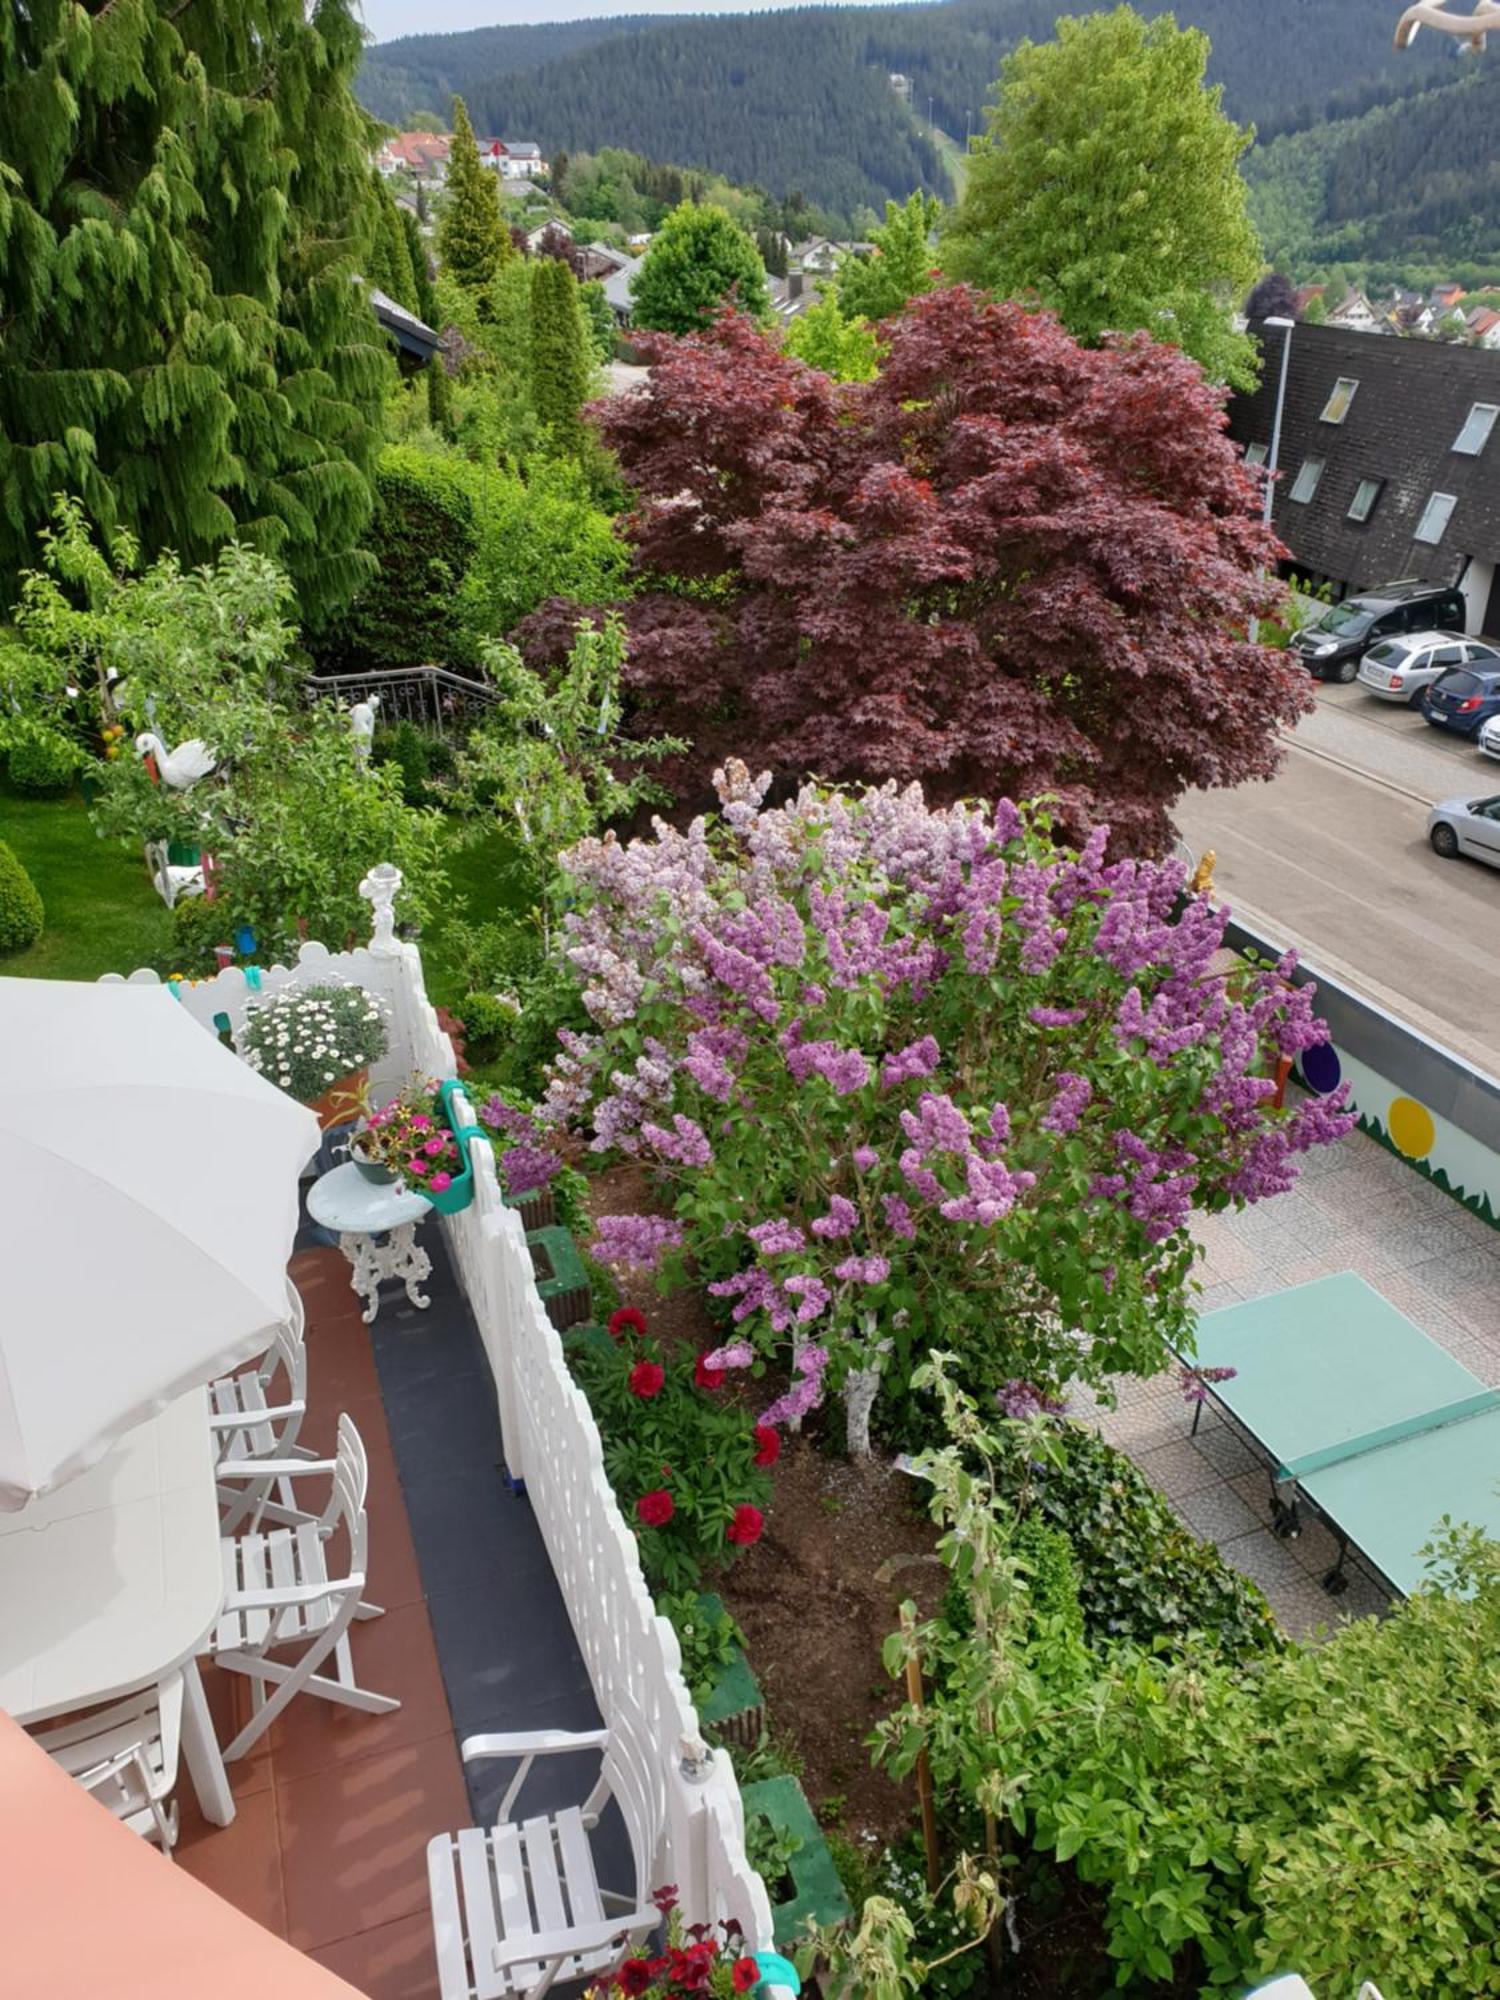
pixel 473 241
pixel 560 354
pixel 184 202
pixel 421 271
pixel 389 265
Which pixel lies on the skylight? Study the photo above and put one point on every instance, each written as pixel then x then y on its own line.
pixel 1305 485
pixel 1435 517
pixel 1255 454
pixel 1477 427
pixel 1337 407
pixel 1365 495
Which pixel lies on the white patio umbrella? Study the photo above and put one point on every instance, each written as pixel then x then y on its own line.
pixel 148 1202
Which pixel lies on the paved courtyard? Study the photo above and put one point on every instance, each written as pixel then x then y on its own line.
pixel 1356 1208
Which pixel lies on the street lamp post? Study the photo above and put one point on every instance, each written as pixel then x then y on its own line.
pixel 1284 327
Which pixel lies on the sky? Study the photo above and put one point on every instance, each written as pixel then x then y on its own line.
pixel 386 19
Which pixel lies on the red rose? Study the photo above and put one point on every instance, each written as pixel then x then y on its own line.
pixel 705 1377
pixel 745 1976
pixel 767 1445
pixel 646 1378
pixel 627 1320
pixel 656 1508
pixel 634 1976
pixel 746 1526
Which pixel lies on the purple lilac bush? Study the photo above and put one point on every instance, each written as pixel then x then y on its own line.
pixel 922 1078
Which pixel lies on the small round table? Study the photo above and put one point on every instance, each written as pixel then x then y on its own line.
pixel 359 1211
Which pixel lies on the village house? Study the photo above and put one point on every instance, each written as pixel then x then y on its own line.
pixel 513 159
pixel 1387 464
pixel 421 154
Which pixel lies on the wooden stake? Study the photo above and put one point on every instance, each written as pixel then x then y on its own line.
pixel 924 1776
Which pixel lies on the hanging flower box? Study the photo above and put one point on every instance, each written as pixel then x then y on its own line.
pixel 459 1192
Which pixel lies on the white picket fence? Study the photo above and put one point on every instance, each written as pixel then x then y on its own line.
pixel 548 1435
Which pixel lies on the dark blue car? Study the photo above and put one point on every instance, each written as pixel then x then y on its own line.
pixel 1463 699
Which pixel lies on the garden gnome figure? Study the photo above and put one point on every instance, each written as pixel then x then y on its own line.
pixel 362 727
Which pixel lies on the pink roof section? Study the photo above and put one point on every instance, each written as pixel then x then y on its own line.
pixel 92 1909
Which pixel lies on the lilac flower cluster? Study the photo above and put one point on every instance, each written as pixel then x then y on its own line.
pixel 634 1242
pixel 805 1394
pixel 529 1164
pixel 686 1144
pixel 1023 1399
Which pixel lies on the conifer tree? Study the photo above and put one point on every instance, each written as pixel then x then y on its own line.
pixel 390 267
pixel 184 203
pixel 421 271
pixel 473 240
pixel 560 353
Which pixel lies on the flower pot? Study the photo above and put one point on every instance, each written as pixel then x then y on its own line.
pixel 372 1170
pixel 342 1102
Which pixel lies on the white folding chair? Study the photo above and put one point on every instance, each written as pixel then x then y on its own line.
pixel 519 1905
pixel 126 1755
pixel 282 1594
pixel 253 1419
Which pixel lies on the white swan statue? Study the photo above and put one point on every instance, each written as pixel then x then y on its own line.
pixel 1434 14
pixel 181 768
pixel 362 726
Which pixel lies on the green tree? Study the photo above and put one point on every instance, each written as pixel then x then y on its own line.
pixel 844 348
pixel 389 266
pixel 473 241
pixel 697 260
pixel 876 284
pixel 1108 188
pixel 184 201
pixel 421 270
pixel 600 319
pixel 560 352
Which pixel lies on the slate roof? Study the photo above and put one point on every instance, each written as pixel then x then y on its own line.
pixel 1412 401
pixel 411 334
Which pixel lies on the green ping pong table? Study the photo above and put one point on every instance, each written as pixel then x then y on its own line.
pixel 1365 1421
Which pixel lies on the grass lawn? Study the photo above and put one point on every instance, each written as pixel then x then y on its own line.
pixel 104 916
pixel 102 913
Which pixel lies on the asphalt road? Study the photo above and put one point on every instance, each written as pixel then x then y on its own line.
pixel 1333 852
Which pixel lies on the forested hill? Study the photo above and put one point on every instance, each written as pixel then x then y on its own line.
pixel 800 99
pixel 1408 187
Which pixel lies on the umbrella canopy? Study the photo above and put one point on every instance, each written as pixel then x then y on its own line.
pixel 148 1202
pixel 92 1909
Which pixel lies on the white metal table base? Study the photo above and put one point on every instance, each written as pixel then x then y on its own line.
pixel 400 1256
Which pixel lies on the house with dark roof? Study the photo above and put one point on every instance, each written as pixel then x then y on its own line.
pixel 1389 464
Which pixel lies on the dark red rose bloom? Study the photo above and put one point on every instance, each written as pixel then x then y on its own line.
pixel 656 1508
pixel 634 1976
pixel 627 1320
pixel 746 1526
pixel 705 1377
pixel 646 1378
pixel 745 1976
pixel 767 1445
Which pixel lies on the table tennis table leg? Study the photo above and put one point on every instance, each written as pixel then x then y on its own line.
pixel 1286 1522
pixel 1337 1580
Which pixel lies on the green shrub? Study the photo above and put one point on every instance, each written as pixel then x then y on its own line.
pixel 21 916
pixel 424 536
pixel 41 759
pixel 197 926
pixel 489 1021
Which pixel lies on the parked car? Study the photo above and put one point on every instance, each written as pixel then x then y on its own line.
pixel 1332 646
pixel 1489 737
pixel 1399 669
pixel 1466 826
pixel 1464 699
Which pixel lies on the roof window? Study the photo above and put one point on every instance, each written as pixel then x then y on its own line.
pixel 1435 517
pixel 1305 485
pixel 1478 424
pixel 1337 407
pixel 1255 454
pixel 1362 506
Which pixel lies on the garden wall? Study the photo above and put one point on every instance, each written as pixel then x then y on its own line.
pixel 1432 1108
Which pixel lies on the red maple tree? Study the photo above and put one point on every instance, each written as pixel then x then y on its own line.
pixel 1008 564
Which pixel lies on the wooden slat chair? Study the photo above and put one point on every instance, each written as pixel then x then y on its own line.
pixel 126 1755
pixel 252 1418
pixel 281 1594
pixel 520 1905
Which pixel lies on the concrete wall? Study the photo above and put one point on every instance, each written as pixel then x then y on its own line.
pixel 1433 1108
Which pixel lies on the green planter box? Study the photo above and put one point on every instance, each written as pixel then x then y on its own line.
pixel 460 1190
pixel 736 1708
pixel 560 1276
pixel 537 1211
pixel 817 1891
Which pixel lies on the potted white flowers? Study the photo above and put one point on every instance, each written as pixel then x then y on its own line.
pixel 317 1043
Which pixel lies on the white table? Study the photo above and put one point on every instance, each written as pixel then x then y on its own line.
pixel 358 1210
pixel 115 1579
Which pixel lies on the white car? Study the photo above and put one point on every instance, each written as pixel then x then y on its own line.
pixel 1466 826
pixel 1399 669
pixel 1489 738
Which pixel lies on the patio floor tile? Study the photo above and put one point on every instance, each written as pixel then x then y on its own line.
pixel 1177 1468
pixel 1216 1514
pixel 241 1862
pixel 355 1838
pixel 393 1962
pixel 392 1655
pixel 228 1697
